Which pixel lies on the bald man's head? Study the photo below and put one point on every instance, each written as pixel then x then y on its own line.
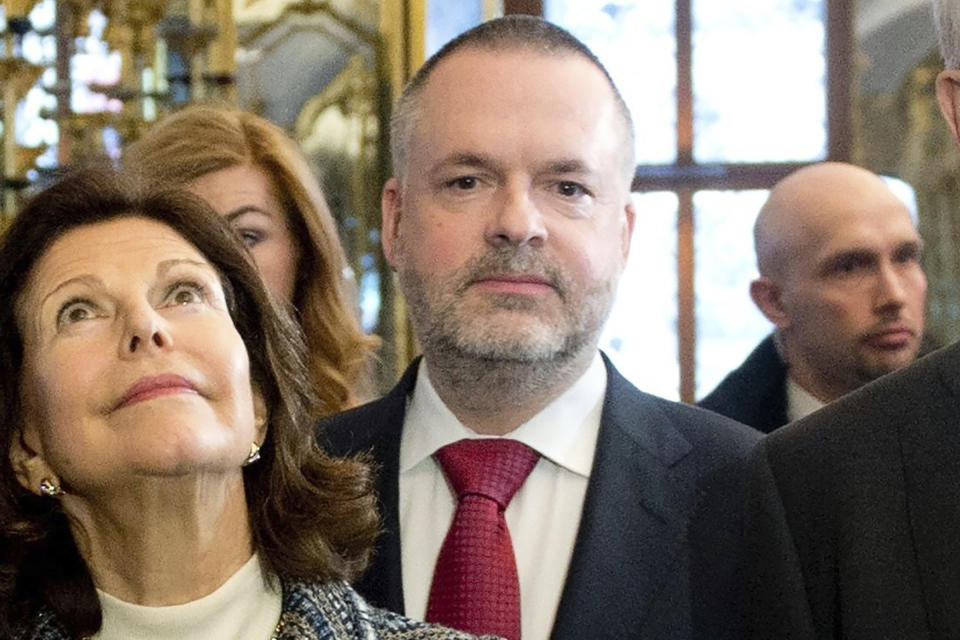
pixel 807 206
pixel 840 277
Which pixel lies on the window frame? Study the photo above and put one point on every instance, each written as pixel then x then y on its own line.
pixel 685 176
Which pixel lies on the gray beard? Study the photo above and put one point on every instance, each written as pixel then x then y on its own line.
pixel 486 379
pixel 484 368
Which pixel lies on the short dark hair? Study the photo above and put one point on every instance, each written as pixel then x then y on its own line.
pixel 312 516
pixel 502 34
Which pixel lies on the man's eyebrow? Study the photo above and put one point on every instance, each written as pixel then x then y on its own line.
pixel 861 254
pixel 571 165
pixel 853 251
pixel 465 159
pixel 481 161
pixel 915 243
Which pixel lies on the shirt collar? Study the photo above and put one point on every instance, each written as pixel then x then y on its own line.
pixel 565 431
pixel 800 402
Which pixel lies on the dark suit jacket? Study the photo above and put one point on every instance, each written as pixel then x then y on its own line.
pixel 755 393
pixel 854 520
pixel 658 550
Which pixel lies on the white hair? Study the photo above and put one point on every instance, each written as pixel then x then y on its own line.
pixel 946 16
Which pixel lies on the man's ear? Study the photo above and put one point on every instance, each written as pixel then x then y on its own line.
pixel 948 95
pixel 767 295
pixel 391 208
pixel 29 465
pixel 626 233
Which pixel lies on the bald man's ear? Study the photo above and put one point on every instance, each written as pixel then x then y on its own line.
pixel 390 211
pixel 766 294
pixel 626 233
pixel 948 95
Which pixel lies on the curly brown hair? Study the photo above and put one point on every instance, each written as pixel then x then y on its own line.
pixel 201 139
pixel 312 516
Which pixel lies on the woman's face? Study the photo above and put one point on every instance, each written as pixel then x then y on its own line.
pixel 132 364
pixel 246 197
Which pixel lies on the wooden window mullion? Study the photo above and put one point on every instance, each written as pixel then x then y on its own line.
pixel 686 318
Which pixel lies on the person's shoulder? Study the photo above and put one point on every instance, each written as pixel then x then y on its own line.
pixel 359 415
pixel 703 429
pixel 42 625
pixel 760 370
pixel 700 424
pixel 363 427
pixel 873 417
pixel 354 430
pixel 755 392
pixel 393 625
pixel 335 610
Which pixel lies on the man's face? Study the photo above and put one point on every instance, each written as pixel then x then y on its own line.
pixel 513 223
pixel 854 296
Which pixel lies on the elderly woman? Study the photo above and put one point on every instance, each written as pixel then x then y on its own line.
pixel 162 479
pixel 255 176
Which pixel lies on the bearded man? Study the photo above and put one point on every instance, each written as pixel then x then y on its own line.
pixel 526 487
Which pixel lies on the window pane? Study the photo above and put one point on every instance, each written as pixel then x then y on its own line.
pixel 94 63
pixel 728 324
pixel 635 41
pixel 759 80
pixel 32 130
pixel 446 20
pixel 641 335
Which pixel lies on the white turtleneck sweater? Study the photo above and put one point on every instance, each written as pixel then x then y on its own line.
pixel 245 607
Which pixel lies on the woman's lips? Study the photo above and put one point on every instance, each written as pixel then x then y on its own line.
pixel 153 386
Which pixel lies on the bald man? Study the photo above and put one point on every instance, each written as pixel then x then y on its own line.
pixel 840 279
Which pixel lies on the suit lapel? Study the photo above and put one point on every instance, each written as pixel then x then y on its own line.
pixel 931 456
pixel 382 583
pixel 634 519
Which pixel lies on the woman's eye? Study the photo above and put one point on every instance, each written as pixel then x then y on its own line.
pixel 184 293
pixel 74 311
pixel 250 237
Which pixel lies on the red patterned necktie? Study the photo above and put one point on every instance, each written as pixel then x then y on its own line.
pixel 475 586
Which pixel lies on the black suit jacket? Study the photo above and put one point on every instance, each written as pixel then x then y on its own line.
pixel 755 393
pixel 657 553
pixel 854 519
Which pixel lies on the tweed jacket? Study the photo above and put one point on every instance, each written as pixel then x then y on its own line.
pixel 311 611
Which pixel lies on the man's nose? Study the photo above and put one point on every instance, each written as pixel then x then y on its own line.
pixel 517 219
pixel 891 287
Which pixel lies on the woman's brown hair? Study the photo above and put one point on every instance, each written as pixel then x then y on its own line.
pixel 202 139
pixel 312 516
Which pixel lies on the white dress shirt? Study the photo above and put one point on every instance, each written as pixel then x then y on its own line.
pixel 544 514
pixel 800 402
pixel 245 607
